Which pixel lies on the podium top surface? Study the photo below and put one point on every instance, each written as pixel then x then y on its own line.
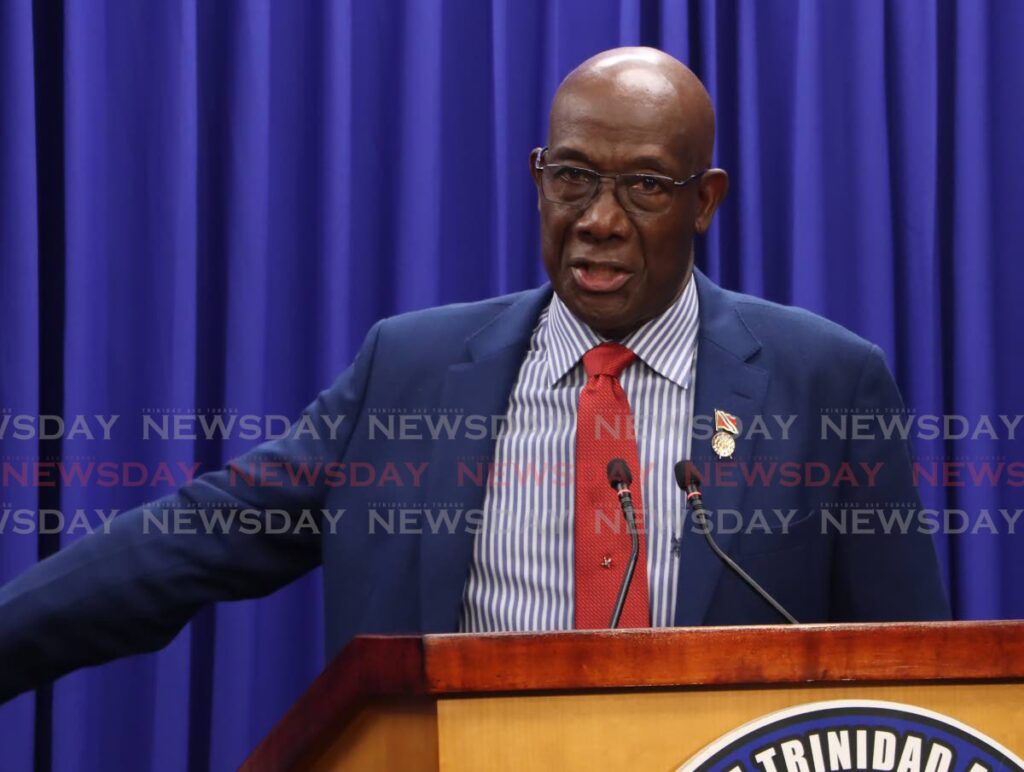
pixel 429 666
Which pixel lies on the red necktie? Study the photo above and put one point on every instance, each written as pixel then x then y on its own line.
pixel 604 430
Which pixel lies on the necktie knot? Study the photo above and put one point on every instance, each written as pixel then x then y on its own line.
pixel 607 359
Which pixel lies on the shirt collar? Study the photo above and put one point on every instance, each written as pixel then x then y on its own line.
pixel 666 343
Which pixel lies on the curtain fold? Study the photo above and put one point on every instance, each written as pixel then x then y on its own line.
pixel 19 316
pixel 245 186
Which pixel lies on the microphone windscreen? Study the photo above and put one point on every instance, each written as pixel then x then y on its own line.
pixel 618 473
pixel 687 475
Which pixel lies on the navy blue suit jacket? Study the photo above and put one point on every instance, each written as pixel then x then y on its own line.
pixel 130 591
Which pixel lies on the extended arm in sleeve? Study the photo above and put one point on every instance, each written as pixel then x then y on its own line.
pixel 131 590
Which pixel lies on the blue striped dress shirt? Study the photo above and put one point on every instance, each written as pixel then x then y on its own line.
pixel 521 574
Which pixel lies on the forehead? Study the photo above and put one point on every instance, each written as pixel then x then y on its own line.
pixel 612 121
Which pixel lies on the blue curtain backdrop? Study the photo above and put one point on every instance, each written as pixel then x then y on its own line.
pixel 206 204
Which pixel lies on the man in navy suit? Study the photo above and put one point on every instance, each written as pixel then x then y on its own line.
pixel 623 186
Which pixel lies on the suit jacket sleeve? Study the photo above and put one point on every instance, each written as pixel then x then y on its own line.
pixel 132 589
pixel 885 567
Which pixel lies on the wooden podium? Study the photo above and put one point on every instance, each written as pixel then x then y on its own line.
pixel 645 699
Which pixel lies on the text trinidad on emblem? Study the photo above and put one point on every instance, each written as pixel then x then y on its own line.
pixel 843 735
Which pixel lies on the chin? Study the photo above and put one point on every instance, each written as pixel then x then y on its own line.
pixel 603 322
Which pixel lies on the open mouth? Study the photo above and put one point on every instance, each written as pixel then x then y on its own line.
pixel 599 277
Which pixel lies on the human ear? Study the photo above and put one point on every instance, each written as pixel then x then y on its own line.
pixel 535 172
pixel 711 190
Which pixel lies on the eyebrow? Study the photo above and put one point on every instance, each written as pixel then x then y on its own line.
pixel 641 162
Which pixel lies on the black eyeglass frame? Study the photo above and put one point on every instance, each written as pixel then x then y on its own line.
pixel 583 204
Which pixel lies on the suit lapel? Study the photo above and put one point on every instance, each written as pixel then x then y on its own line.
pixel 479 386
pixel 725 381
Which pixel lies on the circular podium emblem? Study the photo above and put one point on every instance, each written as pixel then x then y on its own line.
pixel 844 735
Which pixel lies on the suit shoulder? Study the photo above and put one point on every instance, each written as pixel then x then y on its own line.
pixel 799 329
pixel 440 334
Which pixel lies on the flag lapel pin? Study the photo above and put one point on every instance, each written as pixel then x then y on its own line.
pixel 726 429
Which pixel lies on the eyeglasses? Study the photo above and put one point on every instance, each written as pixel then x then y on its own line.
pixel 636 192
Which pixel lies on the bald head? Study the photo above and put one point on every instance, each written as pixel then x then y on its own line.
pixel 641 81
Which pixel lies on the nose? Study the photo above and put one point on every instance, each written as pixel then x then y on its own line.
pixel 604 218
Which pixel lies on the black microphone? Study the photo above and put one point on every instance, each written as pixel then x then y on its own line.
pixel 688 478
pixel 620 478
